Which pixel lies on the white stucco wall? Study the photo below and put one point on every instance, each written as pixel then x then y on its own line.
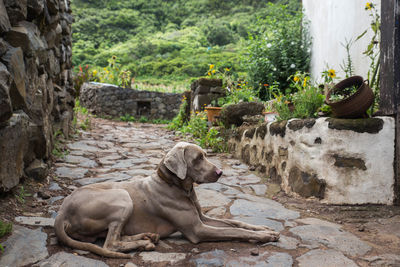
pixel 331 23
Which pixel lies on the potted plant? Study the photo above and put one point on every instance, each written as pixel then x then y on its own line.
pixel 350 98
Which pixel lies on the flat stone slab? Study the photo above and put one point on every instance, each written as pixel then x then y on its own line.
pixel 36 221
pixel 383 260
pixel 126 163
pixel 24 247
pixel 330 257
pixel 70 260
pixel 83 146
pixel 221 258
pixel 216 212
pixel 315 221
pixel 259 189
pixel 154 257
pixel 285 242
pixel 86 181
pixel 81 161
pixel 240 180
pixel 226 190
pixel 73 173
pixel 54 186
pixel 210 198
pixel 331 237
pixel 276 211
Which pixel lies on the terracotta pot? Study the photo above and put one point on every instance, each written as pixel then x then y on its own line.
pixel 355 105
pixel 213 113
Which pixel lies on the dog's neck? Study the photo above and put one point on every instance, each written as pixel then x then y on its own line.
pixel 172 180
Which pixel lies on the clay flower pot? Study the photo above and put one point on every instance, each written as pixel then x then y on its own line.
pixel 213 113
pixel 355 105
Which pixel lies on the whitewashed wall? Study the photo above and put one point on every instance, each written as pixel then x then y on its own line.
pixel 331 23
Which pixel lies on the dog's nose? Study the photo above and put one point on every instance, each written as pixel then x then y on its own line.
pixel 219 172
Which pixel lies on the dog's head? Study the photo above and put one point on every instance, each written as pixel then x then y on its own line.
pixel 189 161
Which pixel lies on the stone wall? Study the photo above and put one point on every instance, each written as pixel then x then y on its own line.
pixel 36 85
pixel 336 160
pixel 110 100
pixel 204 91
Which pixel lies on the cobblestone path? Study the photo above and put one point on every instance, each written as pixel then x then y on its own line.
pixel 116 151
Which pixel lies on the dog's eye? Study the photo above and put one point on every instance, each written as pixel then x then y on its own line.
pixel 199 157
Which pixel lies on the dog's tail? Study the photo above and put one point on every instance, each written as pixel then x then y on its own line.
pixel 59 227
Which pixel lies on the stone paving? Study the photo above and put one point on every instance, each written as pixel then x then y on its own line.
pixel 114 151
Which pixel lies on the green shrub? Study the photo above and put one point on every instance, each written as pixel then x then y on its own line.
pixel 278 48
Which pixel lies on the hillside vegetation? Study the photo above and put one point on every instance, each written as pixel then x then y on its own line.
pixel 164 39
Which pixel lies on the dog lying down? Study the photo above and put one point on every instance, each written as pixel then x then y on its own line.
pixel 135 214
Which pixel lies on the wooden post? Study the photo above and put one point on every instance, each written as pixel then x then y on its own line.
pixel 390 75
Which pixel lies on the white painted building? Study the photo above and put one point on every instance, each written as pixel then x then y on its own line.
pixel 332 22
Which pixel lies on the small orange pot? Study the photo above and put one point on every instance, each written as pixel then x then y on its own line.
pixel 213 113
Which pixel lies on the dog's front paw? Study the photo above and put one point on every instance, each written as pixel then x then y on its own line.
pixel 152 237
pixel 269 236
pixel 149 246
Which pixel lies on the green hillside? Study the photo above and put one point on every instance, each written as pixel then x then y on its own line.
pixel 172 41
pixel 164 39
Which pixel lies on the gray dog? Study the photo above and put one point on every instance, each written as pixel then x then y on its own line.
pixel 135 214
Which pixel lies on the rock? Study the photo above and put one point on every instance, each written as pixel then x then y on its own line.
pixel 209 198
pixel 331 237
pixel 155 257
pixel 130 264
pixel 73 173
pixel 254 252
pixel 43 195
pixel 217 212
pixel 35 7
pixel 240 180
pixel 195 250
pixel 54 186
pixel 81 161
pixel 27 36
pixel 5 25
pixel 54 199
pixel 14 61
pixel 35 221
pixel 14 144
pixel 306 184
pixel 233 114
pixel 315 221
pixel 328 257
pixel 212 258
pixel 17 10
pixel 285 242
pixel 259 189
pixel 37 170
pixel 226 190
pixel 24 247
pixel 279 260
pixel 5 100
pixel 383 260
pixel 241 207
pixel 69 260
pixel 177 239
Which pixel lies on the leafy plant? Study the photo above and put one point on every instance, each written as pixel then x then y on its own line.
pixel 143 119
pixel 180 119
pixel 5 228
pixel 81 75
pixel 338 95
pixel 305 103
pixel 279 47
pixel 58 150
pixel 127 118
pixel 22 194
pixel 347 66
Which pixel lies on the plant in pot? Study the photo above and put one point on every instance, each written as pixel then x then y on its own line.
pixel 350 98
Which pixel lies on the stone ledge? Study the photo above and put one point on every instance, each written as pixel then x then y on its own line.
pixel 338 161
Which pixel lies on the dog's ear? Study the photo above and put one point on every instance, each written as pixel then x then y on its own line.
pixel 175 160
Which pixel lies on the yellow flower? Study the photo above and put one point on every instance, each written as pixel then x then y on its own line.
pixel 305 82
pixel 211 66
pixel 209 73
pixel 213 71
pixel 94 72
pixel 114 57
pixel 296 79
pixel 104 69
pixel 227 69
pixel 368 6
pixel 332 73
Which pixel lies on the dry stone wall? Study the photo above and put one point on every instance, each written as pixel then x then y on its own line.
pixel 36 85
pixel 110 100
pixel 336 160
